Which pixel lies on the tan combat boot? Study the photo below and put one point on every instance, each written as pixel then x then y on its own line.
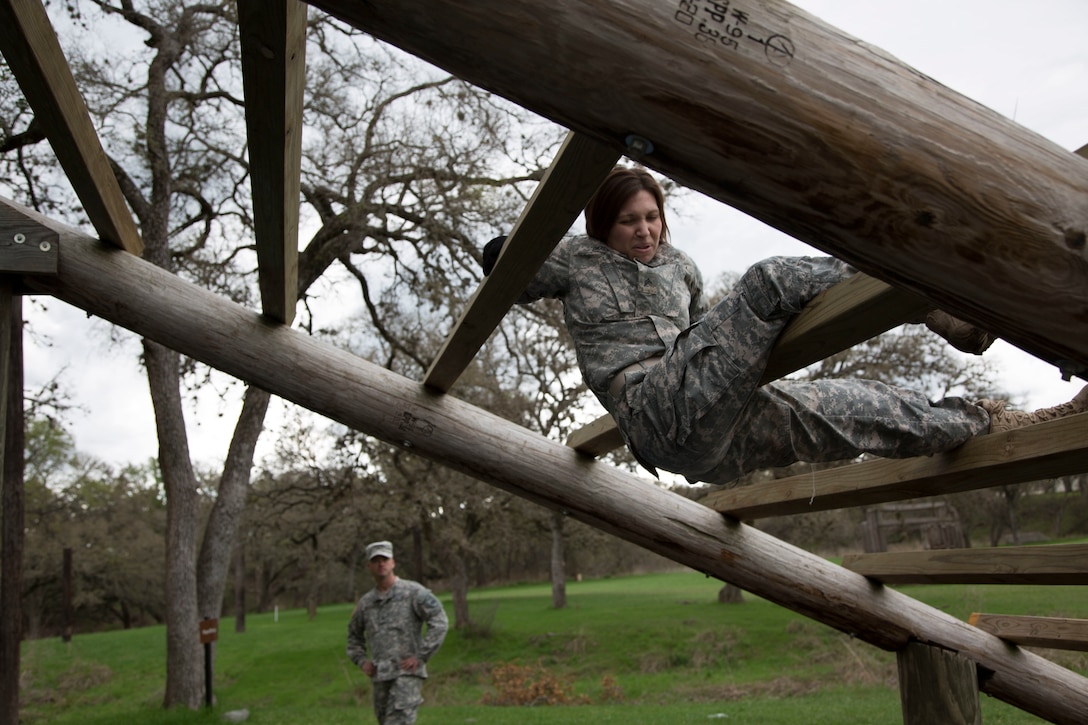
pixel 961 335
pixel 1002 420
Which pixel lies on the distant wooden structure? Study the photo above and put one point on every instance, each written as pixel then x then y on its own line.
pixel 936 522
pixel 940 201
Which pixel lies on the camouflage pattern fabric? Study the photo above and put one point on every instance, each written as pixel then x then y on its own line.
pixel 387 628
pixel 700 412
pixel 619 311
pixel 396 702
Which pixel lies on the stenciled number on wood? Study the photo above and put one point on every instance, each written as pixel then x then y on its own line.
pixel 415 426
pixel 727 26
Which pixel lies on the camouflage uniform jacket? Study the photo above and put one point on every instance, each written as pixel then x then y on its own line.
pixel 619 311
pixel 387 627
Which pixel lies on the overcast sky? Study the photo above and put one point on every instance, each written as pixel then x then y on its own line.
pixel 1027 61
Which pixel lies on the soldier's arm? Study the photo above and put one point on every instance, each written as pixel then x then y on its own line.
pixel 552 280
pixel 431 612
pixel 356 648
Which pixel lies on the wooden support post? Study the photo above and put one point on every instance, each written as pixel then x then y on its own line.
pixel 873 532
pixel 335 383
pixel 937 686
pixel 68 624
pixel 12 499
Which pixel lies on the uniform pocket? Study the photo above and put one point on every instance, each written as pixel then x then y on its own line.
pixel 708 394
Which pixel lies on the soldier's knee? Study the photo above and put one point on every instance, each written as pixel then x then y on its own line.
pixel 764 285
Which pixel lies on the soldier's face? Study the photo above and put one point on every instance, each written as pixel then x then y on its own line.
pixel 637 230
pixel 381 567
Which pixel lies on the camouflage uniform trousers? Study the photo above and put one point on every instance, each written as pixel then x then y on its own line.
pixel 397 701
pixel 701 413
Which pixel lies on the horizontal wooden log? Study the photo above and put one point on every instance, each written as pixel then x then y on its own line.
pixel 576 172
pixel 841 317
pixel 1038 452
pixel 1049 632
pixel 794 122
pixel 1063 564
pixel 34 55
pixel 311 373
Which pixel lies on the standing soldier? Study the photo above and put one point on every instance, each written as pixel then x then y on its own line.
pixel 386 639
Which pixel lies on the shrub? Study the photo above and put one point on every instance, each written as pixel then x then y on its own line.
pixel 529 685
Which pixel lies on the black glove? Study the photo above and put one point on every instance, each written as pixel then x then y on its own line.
pixel 491 253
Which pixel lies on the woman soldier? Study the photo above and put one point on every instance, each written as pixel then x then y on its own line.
pixel 682 380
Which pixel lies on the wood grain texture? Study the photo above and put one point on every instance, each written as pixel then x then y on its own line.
pixel 311 373
pixel 34 55
pixel 1050 632
pixel 273 38
pixel 597 438
pixel 25 246
pixel 1062 564
pixel 796 123
pixel 937 686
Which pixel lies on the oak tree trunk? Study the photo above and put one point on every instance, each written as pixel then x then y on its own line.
pixel 226 514
pixel 184 659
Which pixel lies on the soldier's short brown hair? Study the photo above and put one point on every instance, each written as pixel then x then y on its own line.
pixel 620 185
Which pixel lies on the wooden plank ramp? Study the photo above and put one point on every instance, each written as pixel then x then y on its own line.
pixel 1046 450
pixel 1058 564
pixel 1049 632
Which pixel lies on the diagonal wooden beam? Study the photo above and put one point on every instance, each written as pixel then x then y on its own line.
pixel 1050 632
pixel 576 172
pixel 335 383
pixel 843 316
pixel 1037 452
pixel 33 53
pixel 273 39
pixel 1060 564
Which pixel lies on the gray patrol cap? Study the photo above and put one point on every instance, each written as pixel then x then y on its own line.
pixel 379 548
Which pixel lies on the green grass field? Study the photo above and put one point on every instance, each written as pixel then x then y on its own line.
pixel 636 650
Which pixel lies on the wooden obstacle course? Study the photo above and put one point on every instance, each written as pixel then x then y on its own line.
pixel 730 139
